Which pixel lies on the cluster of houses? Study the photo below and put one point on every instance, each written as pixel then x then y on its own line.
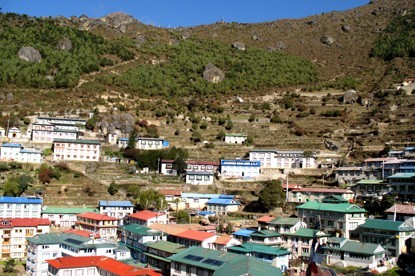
pixel 117 239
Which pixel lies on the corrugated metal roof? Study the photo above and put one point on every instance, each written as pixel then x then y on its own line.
pixel 222 201
pixel 115 203
pixel 77 141
pixel 166 246
pixel 346 208
pixel 243 232
pixel 11 145
pixel 258 248
pixel 21 200
pixel 389 225
pixel 67 210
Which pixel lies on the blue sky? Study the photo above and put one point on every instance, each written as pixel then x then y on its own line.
pixel 174 13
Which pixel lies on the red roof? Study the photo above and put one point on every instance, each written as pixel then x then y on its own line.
pixel 223 240
pixel 402 209
pixel 265 218
pixel 144 215
pixel 323 190
pixel 290 186
pixel 23 222
pixel 95 216
pixel 168 192
pixel 113 266
pixel 168 161
pixel 195 235
pixel 83 233
pixel 201 162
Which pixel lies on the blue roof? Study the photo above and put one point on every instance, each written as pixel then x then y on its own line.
pixel 226 196
pixel 12 145
pixel 222 201
pixel 21 200
pixel 243 232
pixel 185 195
pixel 30 151
pixel 204 213
pixel 115 203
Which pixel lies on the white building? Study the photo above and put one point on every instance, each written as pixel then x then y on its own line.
pixel 46 133
pixel 2 132
pixel 279 159
pixel 196 200
pixel 76 150
pixel 14 132
pixel 239 168
pixel 146 218
pixel 16 152
pixel 145 143
pixel 103 225
pixel 318 194
pixel 199 177
pixel 116 208
pixel 222 205
pixel 64 216
pixel 76 121
pixel 13 234
pixel 20 207
pixel 235 138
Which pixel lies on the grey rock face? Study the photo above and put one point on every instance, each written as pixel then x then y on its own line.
pixel 29 54
pixel 213 74
pixel 65 44
pixel 239 46
pixel 328 40
pixel 346 28
pixel 350 97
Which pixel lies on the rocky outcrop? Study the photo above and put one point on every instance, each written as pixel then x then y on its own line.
pixel 29 54
pixel 213 74
pixel 350 97
pixel 328 40
pixel 239 46
pixel 118 20
pixel 280 45
pixel 330 145
pixel 65 44
pixel 346 28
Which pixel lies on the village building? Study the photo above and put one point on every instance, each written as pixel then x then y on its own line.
pixel 157 254
pixel 239 168
pixel 69 121
pixel 199 177
pixel 2 132
pixel 224 241
pixel 340 218
pixel 276 256
pixel 392 235
pixel 195 238
pixel 317 194
pixel 103 225
pixel 166 166
pixel 243 235
pixel 173 198
pixel 353 253
pixel 279 159
pixel 299 243
pixel 201 261
pixel 196 200
pixel 263 222
pixel 76 150
pixel 286 225
pixel 146 218
pixel 400 212
pixel 135 236
pixel 64 216
pixel 145 143
pixel 14 133
pixel 16 152
pixel 353 174
pixel 371 188
pixel 15 231
pixel 116 208
pixel 222 205
pixel 235 138
pixel 20 207
pixel 45 133
pixel 403 185
pixel 95 265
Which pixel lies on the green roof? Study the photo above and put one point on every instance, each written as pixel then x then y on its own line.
pixel 157 257
pixel 265 233
pixel 370 182
pixel 389 225
pixel 355 246
pixel 68 210
pixel 229 264
pixel 258 248
pixel 307 233
pixel 77 141
pixel 51 238
pixel 334 199
pixel 141 230
pixel 285 221
pixel 332 207
pixel 166 246
pixel 402 175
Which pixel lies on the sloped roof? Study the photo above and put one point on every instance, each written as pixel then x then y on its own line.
pixel 222 201
pixel 77 141
pixel 346 208
pixel 370 182
pixel 223 240
pixel 67 210
pixel 259 248
pixel 82 233
pixel 11 145
pixel 195 235
pixel 362 248
pixel 389 225
pixel 141 230
pixel 402 209
pixel 285 221
pixel 307 233
pixel 168 228
pixel 166 246
pixel 168 192
pixel 95 216
pixel 23 222
pixel 50 238
pixel 265 219
pixel 243 232
pixel 323 190
pixel 21 200
pixel 266 233
pixel 144 215
pixel 115 203
pixel 402 175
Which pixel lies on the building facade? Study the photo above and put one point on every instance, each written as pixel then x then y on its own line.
pixel 64 216
pixel 76 150
pixel 20 207
pixel 221 206
pixel 145 143
pixel 116 209
pixel 279 159
pixel 103 225
pixel 235 138
pixel 239 168
pixel 199 177
pixel 16 152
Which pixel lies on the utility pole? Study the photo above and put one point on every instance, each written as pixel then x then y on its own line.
pixel 286 190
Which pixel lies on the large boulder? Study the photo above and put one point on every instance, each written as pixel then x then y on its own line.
pixel 330 145
pixel 118 20
pixel 350 97
pixel 213 74
pixel 328 40
pixel 29 54
pixel 346 28
pixel 239 46
pixel 65 44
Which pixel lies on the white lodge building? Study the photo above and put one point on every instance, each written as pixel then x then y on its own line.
pixel 280 159
pixel 76 150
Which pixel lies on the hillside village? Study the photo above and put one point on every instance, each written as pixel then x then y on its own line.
pixel 222 149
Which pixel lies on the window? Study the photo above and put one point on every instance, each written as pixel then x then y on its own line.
pixel 198 177
pixel 191 177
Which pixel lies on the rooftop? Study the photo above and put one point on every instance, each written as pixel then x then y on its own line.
pixel 307 233
pixel 323 190
pixel 50 238
pixel 145 215
pixel 265 219
pixel 223 239
pixel 402 175
pixel 346 208
pixel 285 221
pixel 265 233
pixel 77 141
pixel 11 145
pixel 195 235
pixel 166 246
pixel 141 230
pixel 236 135
pixel 67 210
pixel 388 225
pixel 258 248
pixel 243 232
pixel 23 222
pixel 169 192
pixel 21 200
pixel 201 162
pixel 222 201
pixel 370 182
pixel 115 203
pixel 402 209
pixel 197 195
pixel 95 216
